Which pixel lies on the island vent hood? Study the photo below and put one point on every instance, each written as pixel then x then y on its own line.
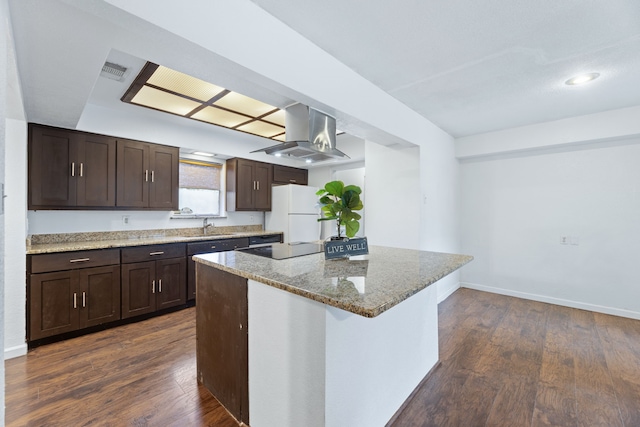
pixel 309 135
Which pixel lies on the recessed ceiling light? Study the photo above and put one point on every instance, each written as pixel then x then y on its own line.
pixel 583 78
pixel 202 153
pixel 308 160
pixel 278 154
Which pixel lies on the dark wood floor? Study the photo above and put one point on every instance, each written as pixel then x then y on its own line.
pixel 504 362
pixel 517 363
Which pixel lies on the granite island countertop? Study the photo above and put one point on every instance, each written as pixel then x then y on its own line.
pixel 53 243
pixel 366 285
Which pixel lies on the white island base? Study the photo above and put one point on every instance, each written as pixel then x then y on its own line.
pixel 311 364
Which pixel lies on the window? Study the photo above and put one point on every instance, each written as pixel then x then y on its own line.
pixel 200 188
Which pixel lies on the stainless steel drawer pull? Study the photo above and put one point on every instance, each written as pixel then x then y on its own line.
pixel 84 299
pixel 160 285
pixel 292 180
pixel 73 168
pixel 75 300
pixel 254 185
pixel 152 174
pixel 258 185
pixel 80 260
pixel 81 168
pixel 153 287
pixel 156 253
pixel 146 175
pixel 213 247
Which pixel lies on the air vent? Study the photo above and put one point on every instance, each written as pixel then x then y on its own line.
pixel 113 71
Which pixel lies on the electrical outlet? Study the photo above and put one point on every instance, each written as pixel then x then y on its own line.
pixel 125 219
pixel 564 240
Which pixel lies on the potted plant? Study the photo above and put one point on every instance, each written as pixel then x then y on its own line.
pixel 339 203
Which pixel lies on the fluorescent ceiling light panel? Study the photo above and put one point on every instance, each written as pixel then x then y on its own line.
pixel 220 117
pixel 202 153
pixel 160 100
pixel 171 91
pixel 236 102
pixel 261 128
pixel 184 84
pixel 277 117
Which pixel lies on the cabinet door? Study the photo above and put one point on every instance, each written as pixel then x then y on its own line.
pixel 163 182
pixel 99 298
pixel 245 185
pixel 52 167
pixel 289 175
pixel 171 283
pixel 96 174
pixel 262 194
pixel 138 288
pixel 132 174
pixel 53 302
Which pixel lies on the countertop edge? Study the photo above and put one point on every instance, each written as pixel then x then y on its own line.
pixel 49 248
pixel 359 310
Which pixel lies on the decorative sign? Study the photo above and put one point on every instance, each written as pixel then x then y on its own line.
pixel 345 248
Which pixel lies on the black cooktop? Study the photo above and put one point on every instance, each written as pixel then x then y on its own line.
pixel 284 250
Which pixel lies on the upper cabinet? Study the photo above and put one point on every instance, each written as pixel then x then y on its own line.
pixel 69 169
pixel 147 175
pixel 289 175
pixel 77 170
pixel 248 185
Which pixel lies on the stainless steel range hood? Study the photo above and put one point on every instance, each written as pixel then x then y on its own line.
pixel 310 135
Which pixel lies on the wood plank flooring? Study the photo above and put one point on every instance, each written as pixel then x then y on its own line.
pixel 517 363
pixel 504 362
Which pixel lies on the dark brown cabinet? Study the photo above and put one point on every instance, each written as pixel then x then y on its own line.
pixel 198 248
pixel 248 185
pixel 289 175
pixel 70 169
pixel 153 278
pixel 64 297
pixel 222 353
pixel 147 175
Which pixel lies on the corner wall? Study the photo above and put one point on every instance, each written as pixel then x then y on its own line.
pixel 517 207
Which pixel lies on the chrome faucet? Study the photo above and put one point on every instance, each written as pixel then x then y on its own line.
pixel 206 224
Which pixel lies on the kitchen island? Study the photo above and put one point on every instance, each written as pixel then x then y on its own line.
pixel 304 341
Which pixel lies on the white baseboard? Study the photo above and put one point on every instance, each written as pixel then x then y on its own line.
pixel 443 294
pixel 16 351
pixel 552 300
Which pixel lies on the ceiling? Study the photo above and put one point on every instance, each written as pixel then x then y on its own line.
pixel 469 67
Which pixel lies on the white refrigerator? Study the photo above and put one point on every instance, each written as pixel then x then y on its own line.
pixel 294 211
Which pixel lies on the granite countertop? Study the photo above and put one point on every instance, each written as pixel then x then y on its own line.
pixel 104 240
pixel 367 285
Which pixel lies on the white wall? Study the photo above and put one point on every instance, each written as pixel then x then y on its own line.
pixel 515 209
pixel 440 204
pixel 393 196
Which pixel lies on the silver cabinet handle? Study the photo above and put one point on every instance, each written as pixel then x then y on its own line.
pixel 152 174
pixel 292 180
pixel 73 168
pixel 146 175
pixel 156 253
pixel 153 287
pixel 254 185
pixel 75 300
pixel 84 299
pixel 81 168
pixel 160 285
pixel 258 185
pixel 213 247
pixel 80 260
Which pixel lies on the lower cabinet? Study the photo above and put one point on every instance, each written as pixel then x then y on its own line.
pixel 198 248
pixel 66 301
pixel 156 284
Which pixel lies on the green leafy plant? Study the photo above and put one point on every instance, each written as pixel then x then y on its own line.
pixel 339 203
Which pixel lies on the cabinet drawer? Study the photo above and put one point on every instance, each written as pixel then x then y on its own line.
pixel 217 246
pixel 261 240
pixel 153 252
pixel 72 260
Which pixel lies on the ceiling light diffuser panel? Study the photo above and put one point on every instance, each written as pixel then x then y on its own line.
pixel 171 91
